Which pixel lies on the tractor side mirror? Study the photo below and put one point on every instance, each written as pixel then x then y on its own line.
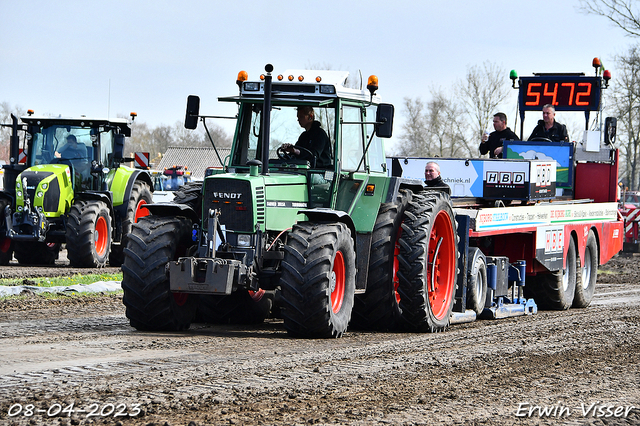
pixel 193 109
pixel 118 147
pixel 384 120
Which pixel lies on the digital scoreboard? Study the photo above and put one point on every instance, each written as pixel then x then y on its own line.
pixel 564 92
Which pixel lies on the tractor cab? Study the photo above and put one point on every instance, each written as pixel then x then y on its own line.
pixel 86 146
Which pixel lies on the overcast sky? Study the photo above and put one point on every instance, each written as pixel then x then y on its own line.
pixel 112 57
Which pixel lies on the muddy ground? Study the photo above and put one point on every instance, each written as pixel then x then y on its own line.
pixel 76 361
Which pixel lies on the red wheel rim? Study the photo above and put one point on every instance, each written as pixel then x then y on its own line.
pixel 141 211
pixel 443 278
pixel 101 239
pixel 256 296
pixel 338 283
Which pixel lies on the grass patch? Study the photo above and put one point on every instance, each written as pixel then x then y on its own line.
pixel 61 281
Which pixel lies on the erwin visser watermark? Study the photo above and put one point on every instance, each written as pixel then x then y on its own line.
pixel 560 410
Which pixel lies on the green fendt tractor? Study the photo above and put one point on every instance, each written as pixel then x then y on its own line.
pixel 66 183
pixel 320 239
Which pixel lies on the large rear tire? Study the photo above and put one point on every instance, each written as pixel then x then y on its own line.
pixel 140 195
pixel 587 274
pixel 150 305
pixel 318 280
pixel 190 194
pixel 428 263
pixel 555 291
pixel 378 308
pixel 88 234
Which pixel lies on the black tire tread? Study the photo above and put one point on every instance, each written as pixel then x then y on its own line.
pixel 152 243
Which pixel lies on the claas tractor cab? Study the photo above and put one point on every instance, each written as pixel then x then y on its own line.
pixel 66 183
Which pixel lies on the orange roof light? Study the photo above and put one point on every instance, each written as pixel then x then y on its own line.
pixel 596 63
pixel 262 77
pixel 280 77
pixel 318 79
pixel 242 76
pixel 290 78
pixel 133 115
pixel 372 84
pixel 30 111
pixel 300 78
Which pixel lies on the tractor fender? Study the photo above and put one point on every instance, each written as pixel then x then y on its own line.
pixel 97 196
pixel 324 215
pixel 172 209
pixel 119 195
pixel 397 183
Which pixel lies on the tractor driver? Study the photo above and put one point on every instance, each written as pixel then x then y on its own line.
pixel 72 149
pixel 549 128
pixel 314 140
pixel 77 155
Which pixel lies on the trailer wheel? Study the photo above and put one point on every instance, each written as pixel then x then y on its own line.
pixel 428 263
pixel 318 280
pixel 240 307
pixel 140 195
pixel 555 291
pixel 36 253
pixel 150 305
pixel 477 281
pixel 88 234
pixel 378 308
pixel 587 274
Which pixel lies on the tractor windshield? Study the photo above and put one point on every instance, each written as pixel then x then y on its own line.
pixel 54 143
pixel 284 129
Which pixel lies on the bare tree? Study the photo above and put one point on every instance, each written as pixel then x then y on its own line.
pixel 622 13
pixel 481 92
pixel 415 131
pixel 626 107
pixel 447 126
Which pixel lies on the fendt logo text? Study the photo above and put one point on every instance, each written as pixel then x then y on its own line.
pixel 228 195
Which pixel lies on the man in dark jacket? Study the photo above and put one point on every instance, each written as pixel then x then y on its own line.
pixel 314 141
pixel 549 128
pixel 432 176
pixel 493 145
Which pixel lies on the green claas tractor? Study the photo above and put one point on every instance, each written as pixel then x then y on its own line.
pixel 66 183
pixel 320 237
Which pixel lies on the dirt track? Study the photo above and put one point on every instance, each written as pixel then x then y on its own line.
pixel 82 353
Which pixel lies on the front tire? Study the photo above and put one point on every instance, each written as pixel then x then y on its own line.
pixel 318 280
pixel 88 234
pixel 150 305
pixel 428 263
pixel 587 274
